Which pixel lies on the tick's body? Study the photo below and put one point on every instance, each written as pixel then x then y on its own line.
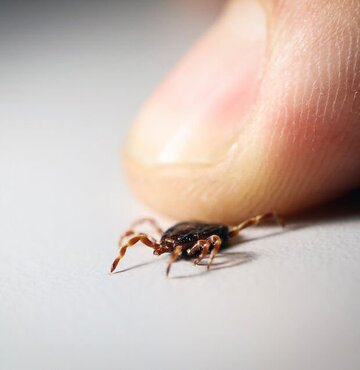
pixel 187 234
pixel 186 239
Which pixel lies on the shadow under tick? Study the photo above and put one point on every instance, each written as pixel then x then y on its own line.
pixel 224 260
pixel 138 265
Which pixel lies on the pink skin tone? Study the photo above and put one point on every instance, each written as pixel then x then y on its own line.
pixel 212 87
pixel 262 114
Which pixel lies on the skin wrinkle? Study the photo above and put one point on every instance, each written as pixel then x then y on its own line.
pixel 270 51
pixel 306 106
pixel 298 43
pixel 318 101
pixel 328 62
pixel 295 113
pixel 347 63
pixel 337 49
pixel 302 97
pixel 356 94
pixel 321 86
pixel 284 113
pixel 312 89
pixel 306 99
pixel 342 47
pixel 356 71
pixel 328 73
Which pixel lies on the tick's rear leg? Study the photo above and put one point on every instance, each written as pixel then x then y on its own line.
pixel 216 242
pixel 149 220
pixel 131 230
pixel 144 238
pixel 124 235
pixel 233 231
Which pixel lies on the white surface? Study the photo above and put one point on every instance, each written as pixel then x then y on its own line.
pixel 70 80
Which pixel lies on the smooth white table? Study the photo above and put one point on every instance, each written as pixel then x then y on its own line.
pixel 72 78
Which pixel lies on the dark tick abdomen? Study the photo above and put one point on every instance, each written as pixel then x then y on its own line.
pixel 187 234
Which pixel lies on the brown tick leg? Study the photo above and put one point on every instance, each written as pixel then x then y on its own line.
pixel 175 254
pixel 204 246
pixel 141 221
pixel 144 238
pixel 216 242
pixel 124 235
pixel 149 220
pixel 233 231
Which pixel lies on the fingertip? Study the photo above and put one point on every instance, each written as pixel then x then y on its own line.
pixel 294 146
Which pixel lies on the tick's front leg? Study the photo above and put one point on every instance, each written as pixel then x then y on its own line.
pixel 175 254
pixel 144 238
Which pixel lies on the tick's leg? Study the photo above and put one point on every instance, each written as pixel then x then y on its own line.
pixel 145 239
pixel 233 231
pixel 124 235
pixel 131 230
pixel 174 255
pixel 149 220
pixel 204 246
pixel 216 242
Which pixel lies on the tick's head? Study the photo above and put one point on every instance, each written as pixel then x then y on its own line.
pixel 167 245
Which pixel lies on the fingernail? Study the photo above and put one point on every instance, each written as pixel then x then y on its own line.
pixel 198 111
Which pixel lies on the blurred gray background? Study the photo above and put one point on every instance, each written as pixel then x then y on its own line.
pixel 72 76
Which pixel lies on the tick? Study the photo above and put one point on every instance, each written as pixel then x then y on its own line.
pixel 186 239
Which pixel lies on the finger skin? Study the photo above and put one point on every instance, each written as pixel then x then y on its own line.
pixel 299 143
